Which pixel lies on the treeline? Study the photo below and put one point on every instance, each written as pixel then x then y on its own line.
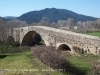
pixel 6 31
pixel 7 27
pixel 79 26
pixel 71 25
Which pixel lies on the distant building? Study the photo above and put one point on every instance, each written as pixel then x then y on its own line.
pixel 75 27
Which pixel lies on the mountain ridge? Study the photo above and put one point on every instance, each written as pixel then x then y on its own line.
pixel 9 17
pixel 53 15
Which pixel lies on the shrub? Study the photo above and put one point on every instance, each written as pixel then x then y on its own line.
pixel 50 56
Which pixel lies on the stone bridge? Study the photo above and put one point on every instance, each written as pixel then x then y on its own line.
pixel 61 39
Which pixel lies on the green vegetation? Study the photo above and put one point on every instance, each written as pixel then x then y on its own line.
pixel 42 42
pixel 10 49
pixel 94 34
pixel 24 62
pixel 11 61
pixel 81 66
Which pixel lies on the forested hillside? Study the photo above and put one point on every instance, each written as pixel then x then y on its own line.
pixel 53 15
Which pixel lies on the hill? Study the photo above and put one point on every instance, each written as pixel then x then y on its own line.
pixel 53 15
pixel 1 18
pixel 9 17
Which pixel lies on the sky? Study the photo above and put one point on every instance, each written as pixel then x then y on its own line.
pixel 18 7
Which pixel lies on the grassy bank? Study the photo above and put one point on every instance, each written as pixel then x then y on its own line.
pixel 94 34
pixel 24 63
pixel 11 61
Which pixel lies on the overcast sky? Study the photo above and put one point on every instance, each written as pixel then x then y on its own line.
pixel 19 7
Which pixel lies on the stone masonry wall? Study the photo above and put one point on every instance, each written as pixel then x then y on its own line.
pixel 55 37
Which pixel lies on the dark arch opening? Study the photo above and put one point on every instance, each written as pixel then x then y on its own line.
pixel 32 38
pixel 11 41
pixel 64 47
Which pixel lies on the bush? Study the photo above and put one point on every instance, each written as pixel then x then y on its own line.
pixel 50 56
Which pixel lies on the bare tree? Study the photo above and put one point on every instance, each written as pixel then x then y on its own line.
pixel 43 23
pixel 70 22
pixel 3 34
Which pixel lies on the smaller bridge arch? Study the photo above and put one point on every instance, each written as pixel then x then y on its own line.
pixel 63 47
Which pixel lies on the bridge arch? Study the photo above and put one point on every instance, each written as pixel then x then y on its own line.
pixel 64 47
pixel 31 38
pixel 10 40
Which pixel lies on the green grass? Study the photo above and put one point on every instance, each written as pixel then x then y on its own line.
pixel 24 60
pixel 94 34
pixel 83 63
pixel 15 62
pixel 41 42
pixel 6 48
pixel 80 66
